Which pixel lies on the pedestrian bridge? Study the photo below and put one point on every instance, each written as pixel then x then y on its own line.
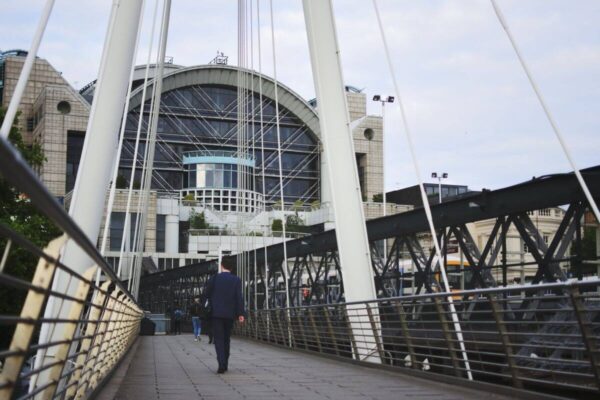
pixel 176 367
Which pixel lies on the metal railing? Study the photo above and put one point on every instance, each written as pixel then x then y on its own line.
pixel 536 337
pixel 69 352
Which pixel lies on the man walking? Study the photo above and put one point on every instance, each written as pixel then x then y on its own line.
pixel 225 293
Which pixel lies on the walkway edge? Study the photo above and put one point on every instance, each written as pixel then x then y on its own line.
pixel 459 383
pixel 109 386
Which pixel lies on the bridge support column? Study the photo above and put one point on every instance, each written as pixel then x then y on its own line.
pixel 344 186
pixel 172 234
pixel 97 158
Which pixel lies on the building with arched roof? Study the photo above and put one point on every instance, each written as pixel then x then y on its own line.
pixel 205 162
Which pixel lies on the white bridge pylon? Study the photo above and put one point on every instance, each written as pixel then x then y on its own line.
pixel 336 134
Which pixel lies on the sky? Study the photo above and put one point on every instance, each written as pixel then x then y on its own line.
pixel 469 106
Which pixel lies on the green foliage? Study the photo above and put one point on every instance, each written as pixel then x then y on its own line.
pixel 18 213
pixel 121 182
pixel 315 205
pixel 378 198
pixel 189 197
pixel 293 223
pixel 298 204
pixel 198 220
pixel 277 225
pixel 588 243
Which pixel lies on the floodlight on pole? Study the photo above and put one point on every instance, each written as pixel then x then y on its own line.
pixel 383 100
pixel 439 177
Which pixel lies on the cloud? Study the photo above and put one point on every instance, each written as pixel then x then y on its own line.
pixel 470 107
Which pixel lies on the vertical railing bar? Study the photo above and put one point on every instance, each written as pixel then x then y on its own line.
pixel 406 332
pixel 32 308
pixel 62 350
pixel 447 336
pixel 351 335
pixel 301 326
pixel 330 330
pixel 586 335
pixel 508 350
pixel 373 323
pixel 315 332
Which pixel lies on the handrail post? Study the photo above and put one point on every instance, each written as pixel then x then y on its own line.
pixel 586 335
pixel 406 334
pixel 331 331
pixel 504 336
pixel 315 331
pixel 68 333
pixel 353 345
pixel 447 336
pixel 302 333
pixel 32 308
pixel 373 323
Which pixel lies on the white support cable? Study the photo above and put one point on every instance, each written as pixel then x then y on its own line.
pixel 262 149
pixel 15 100
pixel 546 109
pixel 137 140
pixel 281 197
pixel 113 186
pixel 426 206
pixel 137 243
pixel 150 145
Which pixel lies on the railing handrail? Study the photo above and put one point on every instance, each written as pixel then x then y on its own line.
pixel 17 172
pixel 462 293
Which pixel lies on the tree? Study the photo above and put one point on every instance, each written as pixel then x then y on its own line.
pixel 19 214
pixel 198 220
pixel 378 198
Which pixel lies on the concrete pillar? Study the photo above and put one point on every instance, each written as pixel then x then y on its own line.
pixel 172 234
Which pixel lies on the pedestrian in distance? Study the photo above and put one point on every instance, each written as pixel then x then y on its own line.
pixel 205 317
pixel 196 313
pixel 224 291
pixel 176 319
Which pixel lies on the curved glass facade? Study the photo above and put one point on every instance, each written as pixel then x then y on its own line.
pixel 203 118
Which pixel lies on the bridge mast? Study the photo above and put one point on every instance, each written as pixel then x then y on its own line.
pixel 344 186
pixel 98 156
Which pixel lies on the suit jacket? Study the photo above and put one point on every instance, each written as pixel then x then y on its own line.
pixel 225 293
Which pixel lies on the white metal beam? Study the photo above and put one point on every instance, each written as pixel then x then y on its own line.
pixel 98 155
pixel 338 146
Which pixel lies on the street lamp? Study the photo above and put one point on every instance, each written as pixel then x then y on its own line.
pixel 439 177
pixel 383 100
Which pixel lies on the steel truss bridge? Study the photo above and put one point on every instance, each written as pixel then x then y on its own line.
pixel 543 334
pixel 68 320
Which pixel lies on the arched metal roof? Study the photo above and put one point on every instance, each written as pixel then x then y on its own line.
pixel 228 76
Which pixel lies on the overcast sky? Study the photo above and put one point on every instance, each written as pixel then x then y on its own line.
pixel 469 105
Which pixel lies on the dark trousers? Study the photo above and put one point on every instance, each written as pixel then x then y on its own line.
pixel 207 329
pixel 221 330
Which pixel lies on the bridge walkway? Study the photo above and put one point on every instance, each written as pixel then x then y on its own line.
pixel 176 367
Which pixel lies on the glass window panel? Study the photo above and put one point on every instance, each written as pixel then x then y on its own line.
pixel 201 179
pixel 209 179
pixel 218 178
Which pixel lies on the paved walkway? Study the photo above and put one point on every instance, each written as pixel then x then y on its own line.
pixel 176 367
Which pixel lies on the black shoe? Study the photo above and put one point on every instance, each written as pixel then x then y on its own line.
pixel 221 371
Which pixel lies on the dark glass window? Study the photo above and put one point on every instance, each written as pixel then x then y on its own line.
pixel 117 223
pixel 75 141
pixel 160 233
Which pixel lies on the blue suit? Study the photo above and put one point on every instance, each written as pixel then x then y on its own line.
pixel 225 293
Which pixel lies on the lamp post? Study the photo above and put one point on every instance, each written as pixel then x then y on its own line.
pixel 383 100
pixel 439 177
